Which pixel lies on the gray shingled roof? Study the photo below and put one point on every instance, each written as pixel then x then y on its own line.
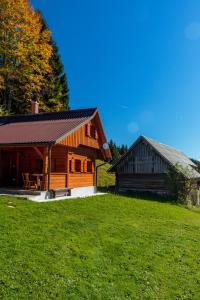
pixel 169 154
pixel 174 157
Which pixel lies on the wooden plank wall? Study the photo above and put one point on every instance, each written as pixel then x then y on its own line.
pixel 58 180
pixel 79 137
pixel 81 179
pixel 142 183
pixel 142 159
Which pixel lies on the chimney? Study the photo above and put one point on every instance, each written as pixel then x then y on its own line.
pixel 34 107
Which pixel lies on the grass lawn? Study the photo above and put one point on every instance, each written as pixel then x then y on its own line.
pixel 104 247
pixel 104 178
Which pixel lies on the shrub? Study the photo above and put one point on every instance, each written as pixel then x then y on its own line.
pixel 182 186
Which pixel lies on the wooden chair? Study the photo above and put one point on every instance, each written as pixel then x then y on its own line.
pixel 27 183
pixel 40 184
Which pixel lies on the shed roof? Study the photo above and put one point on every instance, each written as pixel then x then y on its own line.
pixel 171 155
pixel 42 128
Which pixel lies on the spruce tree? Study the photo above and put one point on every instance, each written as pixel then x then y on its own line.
pixel 117 151
pixel 114 151
pixel 55 95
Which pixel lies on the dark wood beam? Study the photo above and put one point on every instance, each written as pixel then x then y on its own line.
pixel 38 152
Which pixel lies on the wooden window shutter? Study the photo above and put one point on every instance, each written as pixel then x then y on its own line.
pixel 72 165
pixel 82 166
pixel 85 166
pixel 87 128
pixel 92 167
pixel 96 134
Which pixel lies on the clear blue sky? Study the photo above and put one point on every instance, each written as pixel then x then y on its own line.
pixel 138 61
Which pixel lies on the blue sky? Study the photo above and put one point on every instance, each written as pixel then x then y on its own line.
pixel 138 61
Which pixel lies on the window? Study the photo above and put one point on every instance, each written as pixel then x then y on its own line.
pixel 89 166
pixel 77 165
pixel 93 131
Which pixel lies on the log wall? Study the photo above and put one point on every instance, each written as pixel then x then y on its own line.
pixel 155 183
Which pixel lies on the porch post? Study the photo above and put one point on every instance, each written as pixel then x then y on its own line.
pixel 49 168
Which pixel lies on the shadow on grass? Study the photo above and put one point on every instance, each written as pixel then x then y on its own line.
pixel 140 195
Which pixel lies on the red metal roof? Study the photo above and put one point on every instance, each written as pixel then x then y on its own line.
pixel 38 131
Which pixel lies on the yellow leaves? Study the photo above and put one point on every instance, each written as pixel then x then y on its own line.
pixel 24 46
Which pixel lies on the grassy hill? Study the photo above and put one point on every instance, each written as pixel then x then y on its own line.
pixel 104 179
pixel 103 247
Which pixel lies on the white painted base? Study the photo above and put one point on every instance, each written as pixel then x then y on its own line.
pixel 83 191
pixel 80 192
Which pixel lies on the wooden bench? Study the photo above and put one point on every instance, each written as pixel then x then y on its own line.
pixel 61 192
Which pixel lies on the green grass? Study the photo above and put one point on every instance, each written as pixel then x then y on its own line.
pixel 104 179
pixel 103 247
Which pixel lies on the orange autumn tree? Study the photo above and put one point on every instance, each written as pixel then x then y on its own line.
pixel 25 52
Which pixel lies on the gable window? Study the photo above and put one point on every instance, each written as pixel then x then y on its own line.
pixel 93 132
pixel 77 165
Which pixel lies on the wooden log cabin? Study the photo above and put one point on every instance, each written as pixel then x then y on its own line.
pixel 143 168
pixel 57 149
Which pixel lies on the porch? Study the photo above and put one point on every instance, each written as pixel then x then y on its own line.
pixel 25 168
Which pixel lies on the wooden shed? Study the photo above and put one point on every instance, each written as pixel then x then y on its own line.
pixel 53 151
pixel 143 168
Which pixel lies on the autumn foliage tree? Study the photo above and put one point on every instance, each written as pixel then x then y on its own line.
pixel 25 52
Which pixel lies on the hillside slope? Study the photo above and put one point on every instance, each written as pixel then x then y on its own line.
pixel 103 247
pixel 104 178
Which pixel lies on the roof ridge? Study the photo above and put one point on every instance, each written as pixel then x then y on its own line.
pixel 49 112
pixel 166 145
pixel 168 153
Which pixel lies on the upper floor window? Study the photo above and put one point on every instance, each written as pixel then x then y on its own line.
pixel 90 131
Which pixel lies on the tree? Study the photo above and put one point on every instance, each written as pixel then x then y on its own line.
pixel 117 151
pixel 182 185
pixel 3 111
pixel 114 151
pixel 123 149
pixel 55 95
pixel 25 51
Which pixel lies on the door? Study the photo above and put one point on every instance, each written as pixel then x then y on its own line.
pixel 9 168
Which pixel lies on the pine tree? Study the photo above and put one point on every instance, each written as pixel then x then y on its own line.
pixel 117 151
pixel 55 95
pixel 25 51
pixel 114 151
pixel 123 149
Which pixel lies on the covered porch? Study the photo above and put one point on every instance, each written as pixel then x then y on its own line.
pixel 26 167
